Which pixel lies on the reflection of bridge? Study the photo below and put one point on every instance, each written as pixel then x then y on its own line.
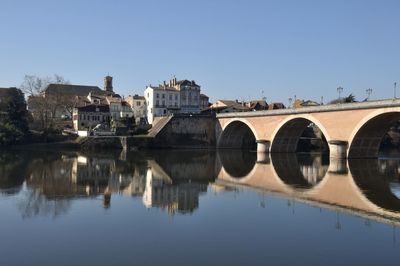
pixel 361 188
pixel 352 129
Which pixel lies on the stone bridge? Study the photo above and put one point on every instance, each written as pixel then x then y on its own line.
pixel 353 130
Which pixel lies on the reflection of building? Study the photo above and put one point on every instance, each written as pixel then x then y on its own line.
pixel 313 173
pixel 80 176
pixel 160 192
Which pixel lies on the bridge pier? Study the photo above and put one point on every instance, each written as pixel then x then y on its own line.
pixel 263 146
pixel 338 149
pixel 263 150
pixel 337 165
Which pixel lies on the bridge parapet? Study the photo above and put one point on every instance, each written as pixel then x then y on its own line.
pixel 317 109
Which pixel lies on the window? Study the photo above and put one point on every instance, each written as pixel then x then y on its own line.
pixel 163 103
pixel 163 96
pixel 176 97
pixel 170 97
pixel 157 103
pixel 158 95
pixel 137 103
pixel 148 95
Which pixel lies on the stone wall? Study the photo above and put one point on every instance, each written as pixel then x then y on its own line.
pixel 192 131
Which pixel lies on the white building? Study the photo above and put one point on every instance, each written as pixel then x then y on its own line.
pixel 161 101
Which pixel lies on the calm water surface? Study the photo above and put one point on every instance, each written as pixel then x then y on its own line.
pixel 197 208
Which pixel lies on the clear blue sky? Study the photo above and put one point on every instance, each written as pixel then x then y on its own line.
pixel 233 49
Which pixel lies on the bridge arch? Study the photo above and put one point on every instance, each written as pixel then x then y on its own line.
pixel 286 136
pixel 367 136
pixel 238 134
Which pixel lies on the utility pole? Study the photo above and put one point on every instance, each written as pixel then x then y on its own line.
pixel 340 90
pixel 369 92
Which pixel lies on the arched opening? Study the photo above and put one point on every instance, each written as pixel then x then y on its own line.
pixel 238 135
pixel 237 164
pixel 381 133
pixel 299 135
pixel 300 170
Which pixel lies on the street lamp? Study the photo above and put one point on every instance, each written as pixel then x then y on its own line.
pixel 394 92
pixel 369 92
pixel 340 90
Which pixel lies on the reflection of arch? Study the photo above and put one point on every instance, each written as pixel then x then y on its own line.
pixel 367 136
pixel 238 135
pixel 290 169
pixel 238 164
pixel 286 136
pixel 372 184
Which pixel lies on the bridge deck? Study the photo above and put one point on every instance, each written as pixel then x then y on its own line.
pixel 317 109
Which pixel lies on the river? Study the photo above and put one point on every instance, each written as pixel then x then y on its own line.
pixel 197 208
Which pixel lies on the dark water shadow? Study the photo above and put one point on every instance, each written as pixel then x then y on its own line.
pixel 374 181
pixel 237 163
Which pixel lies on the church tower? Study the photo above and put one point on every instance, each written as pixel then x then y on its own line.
pixel 108 84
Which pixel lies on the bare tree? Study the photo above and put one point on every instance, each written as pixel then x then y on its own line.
pixel 44 104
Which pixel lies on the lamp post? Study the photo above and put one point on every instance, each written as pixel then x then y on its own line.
pixel 340 90
pixel 369 92
pixel 394 90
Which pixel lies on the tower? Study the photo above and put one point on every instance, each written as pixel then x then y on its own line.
pixel 108 84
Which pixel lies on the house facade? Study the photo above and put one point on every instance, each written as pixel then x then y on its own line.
pixel 87 117
pixel 119 108
pixel 190 95
pixel 139 107
pixel 181 96
pixel 161 101
pixel 204 102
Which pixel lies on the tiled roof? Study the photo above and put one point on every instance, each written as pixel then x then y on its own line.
pixel 137 97
pixel 94 108
pixel 79 90
pixel 187 82
pixel 162 88
pixel 114 100
pixel 273 106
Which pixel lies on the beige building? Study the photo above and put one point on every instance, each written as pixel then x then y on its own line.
pixel 190 95
pixel 119 108
pixel 139 108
